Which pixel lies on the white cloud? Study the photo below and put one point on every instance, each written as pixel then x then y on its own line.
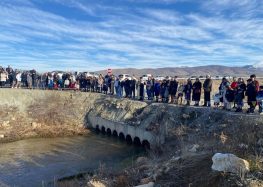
pixel 152 38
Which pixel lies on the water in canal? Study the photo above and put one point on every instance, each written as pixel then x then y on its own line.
pixel 35 162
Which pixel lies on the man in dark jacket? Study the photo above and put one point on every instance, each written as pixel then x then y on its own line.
pixel 240 94
pixel 207 86
pixel 141 88
pixel 197 87
pixel 173 88
pixel 34 77
pixel 127 88
pixel 252 90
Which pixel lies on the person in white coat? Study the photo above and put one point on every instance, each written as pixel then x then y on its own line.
pixel 18 80
pixel 3 77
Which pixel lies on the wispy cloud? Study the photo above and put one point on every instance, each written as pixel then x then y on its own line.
pixel 33 34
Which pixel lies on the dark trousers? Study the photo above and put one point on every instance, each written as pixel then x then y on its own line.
pixel 207 97
pixel 132 92
pixel 2 83
pixel 127 91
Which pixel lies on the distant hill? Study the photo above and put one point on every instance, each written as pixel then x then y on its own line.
pixel 213 70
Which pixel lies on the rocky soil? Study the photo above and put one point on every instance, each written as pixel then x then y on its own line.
pixel 193 136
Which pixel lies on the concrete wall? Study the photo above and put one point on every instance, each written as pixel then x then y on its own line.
pixel 125 129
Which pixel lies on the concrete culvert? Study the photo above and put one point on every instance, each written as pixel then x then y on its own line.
pixel 129 139
pixel 121 136
pixel 103 130
pixel 137 141
pixel 146 144
pixel 108 132
pixel 115 133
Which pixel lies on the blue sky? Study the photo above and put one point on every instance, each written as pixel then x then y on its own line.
pixel 99 34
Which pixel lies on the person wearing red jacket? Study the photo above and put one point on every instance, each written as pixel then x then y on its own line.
pixel 234 86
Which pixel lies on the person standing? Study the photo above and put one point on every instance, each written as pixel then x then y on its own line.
pixel 33 77
pixel 252 90
pixel 13 79
pixel 229 96
pixel 157 89
pixel 141 95
pixel 29 80
pixel 260 100
pixel 93 84
pixel 180 94
pixel 127 88
pixel 117 86
pixel 149 88
pixel 18 79
pixel 173 89
pixel 100 83
pixel 3 77
pixel 164 91
pixel 112 84
pixel 197 88
pixel 9 78
pixel 132 86
pixel 66 83
pixel 44 81
pixel 222 91
pixel 188 90
pixel 207 86
pixel 240 94
pixel 233 86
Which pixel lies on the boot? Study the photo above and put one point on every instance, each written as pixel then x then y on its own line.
pixel 196 103
pixel 238 109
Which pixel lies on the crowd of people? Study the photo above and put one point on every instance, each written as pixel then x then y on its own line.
pixel 170 90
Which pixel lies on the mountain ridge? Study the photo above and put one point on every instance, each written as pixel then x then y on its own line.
pixel 213 70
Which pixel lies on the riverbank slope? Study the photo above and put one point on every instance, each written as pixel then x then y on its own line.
pixel 192 134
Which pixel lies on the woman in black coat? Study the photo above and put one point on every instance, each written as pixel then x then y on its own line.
pixel 240 94
pixel 188 90
pixel 197 87
pixel 141 85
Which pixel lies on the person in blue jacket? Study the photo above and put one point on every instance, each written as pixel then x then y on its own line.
pixel 157 89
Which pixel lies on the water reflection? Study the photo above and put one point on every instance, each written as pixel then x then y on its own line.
pixel 29 162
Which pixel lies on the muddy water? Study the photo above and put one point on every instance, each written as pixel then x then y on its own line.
pixel 37 162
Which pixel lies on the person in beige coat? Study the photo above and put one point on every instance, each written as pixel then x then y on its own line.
pixel 3 77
